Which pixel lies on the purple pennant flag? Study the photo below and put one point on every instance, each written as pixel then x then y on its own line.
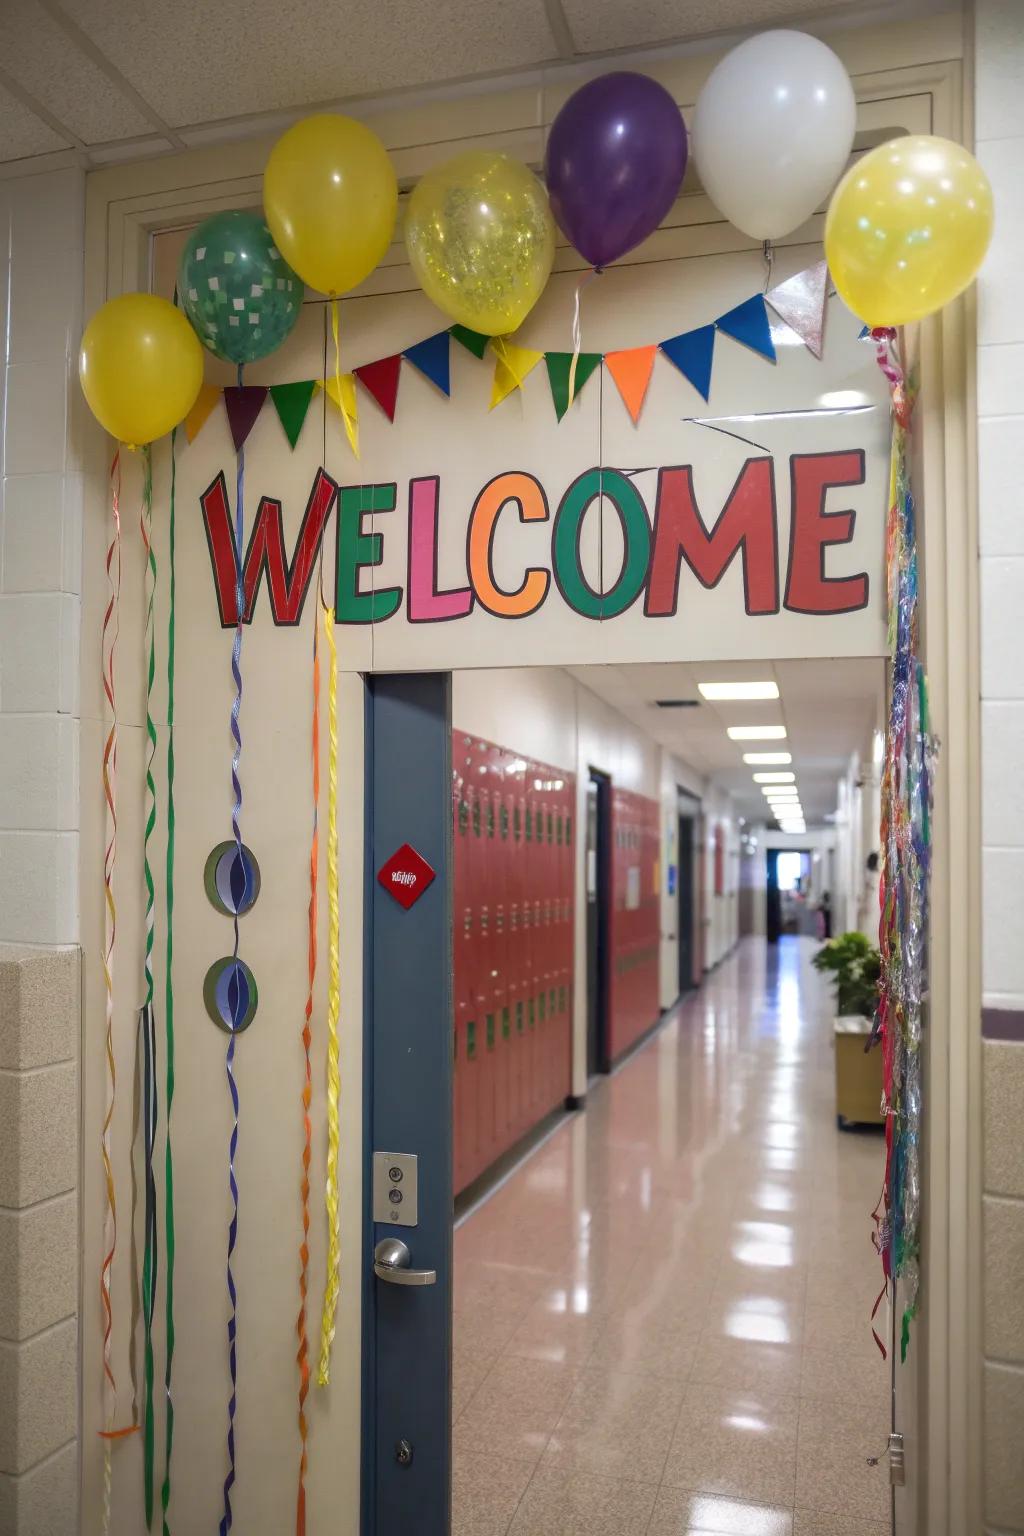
pixel 800 302
pixel 243 404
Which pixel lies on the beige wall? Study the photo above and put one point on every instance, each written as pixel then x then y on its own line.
pixel 999 113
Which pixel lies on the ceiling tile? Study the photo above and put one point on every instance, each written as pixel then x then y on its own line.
pixel 196 62
pixel 43 59
pixel 22 133
pixel 600 24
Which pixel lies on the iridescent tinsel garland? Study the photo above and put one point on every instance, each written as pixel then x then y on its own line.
pixel 905 869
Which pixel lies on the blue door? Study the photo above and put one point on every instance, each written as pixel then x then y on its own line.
pixel 407 1109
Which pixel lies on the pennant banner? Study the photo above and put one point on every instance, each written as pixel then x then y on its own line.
pixel 559 365
pixel 799 302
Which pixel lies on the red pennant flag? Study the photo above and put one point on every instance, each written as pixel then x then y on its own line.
pixel 380 379
pixel 243 405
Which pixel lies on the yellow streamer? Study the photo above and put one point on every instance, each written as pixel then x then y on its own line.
pixel 332 1286
pixel 342 399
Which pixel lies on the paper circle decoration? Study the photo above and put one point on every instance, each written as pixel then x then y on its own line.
pixel 232 879
pixel 231 995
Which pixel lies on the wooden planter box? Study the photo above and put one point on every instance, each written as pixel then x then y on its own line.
pixel 858 1073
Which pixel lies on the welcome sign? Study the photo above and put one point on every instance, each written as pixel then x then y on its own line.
pixel 752 525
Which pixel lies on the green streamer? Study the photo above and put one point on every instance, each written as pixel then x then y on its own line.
pixel 165 1491
pixel 149 1263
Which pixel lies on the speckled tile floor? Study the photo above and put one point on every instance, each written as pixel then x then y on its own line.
pixel 662 1317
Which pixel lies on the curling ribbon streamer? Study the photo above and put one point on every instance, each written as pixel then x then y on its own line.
pixel 577 331
pixel 147 1022
pixel 111 620
pixel 332 1284
pixel 165 1490
pixel 302 1356
pixel 133 1263
pixel 347 414
pixel 234 990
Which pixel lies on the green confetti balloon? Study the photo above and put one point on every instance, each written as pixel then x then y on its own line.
pixel 236 288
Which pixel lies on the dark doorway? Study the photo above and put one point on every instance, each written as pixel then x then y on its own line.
pixel 773 914
pixel 598 884
pixel 687 915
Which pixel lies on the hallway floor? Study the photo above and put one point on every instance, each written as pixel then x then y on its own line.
pixel 662 1318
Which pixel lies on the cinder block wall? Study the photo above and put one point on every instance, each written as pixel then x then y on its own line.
pixel 1000 146
pixel 41 251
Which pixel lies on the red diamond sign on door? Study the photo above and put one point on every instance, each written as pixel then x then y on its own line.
pixel 405 876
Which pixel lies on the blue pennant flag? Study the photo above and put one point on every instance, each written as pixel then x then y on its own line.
pixel 692 352
pixel 748 323
pixel 431 358
pixel 865 331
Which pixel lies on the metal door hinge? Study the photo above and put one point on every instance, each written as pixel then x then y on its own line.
pixel 897 1462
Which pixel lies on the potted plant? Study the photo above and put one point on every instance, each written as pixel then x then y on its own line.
pixel 855 967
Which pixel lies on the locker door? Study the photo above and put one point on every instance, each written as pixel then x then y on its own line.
pixel 484 1000
pixel 494 855
pixel 460 824
pixel 472 1054
pixel 518 958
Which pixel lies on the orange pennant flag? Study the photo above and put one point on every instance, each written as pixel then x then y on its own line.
pixel 631 371
pixel 195 421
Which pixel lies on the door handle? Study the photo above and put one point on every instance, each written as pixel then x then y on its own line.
pixel 391 1263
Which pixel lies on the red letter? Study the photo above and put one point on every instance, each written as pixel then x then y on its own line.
pixel 812 529
pixel 287 584
pixel 746 524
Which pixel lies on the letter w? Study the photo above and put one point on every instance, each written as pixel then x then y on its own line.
pixel 287 581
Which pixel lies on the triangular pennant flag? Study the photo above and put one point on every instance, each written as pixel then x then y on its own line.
pixel 380 379
pixel 748 323
pixel 631 371
pixel 800 302
pixel 512 365
pixel 864 333
pixel 243 404
pixel 197 417
pixel 431 358
pixel 346 403
pixel 559 365
pixel 291 401
pixel 473 341
pixel 693 353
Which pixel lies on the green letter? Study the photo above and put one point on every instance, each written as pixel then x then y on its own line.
pixel 356 550
pixel 636 534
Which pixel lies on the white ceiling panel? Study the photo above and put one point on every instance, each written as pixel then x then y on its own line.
pixel 22 133
pixel 196 61
pixel 597 25
pixel 45 61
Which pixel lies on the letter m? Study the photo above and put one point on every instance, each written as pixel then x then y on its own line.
pixel 287 582
pixel 746 526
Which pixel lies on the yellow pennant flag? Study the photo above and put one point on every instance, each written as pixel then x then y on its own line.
pixel 511 366
pixel 196 419
pixel 341 390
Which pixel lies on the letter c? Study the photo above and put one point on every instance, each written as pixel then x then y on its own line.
pixel 528 493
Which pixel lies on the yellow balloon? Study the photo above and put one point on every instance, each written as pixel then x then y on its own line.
pixel 481 240
pixel 141 367
pixel 330 197
pixel 907 229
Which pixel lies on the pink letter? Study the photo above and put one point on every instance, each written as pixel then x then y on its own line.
pixel 425 604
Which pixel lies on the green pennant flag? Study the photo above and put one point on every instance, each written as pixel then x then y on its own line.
pixel 291 401
pixel 473 341
pixel 559 366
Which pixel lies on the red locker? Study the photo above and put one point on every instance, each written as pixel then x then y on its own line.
pixel 467 1060
pixel 495 978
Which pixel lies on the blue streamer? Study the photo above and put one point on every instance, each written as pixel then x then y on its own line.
pixel 235 991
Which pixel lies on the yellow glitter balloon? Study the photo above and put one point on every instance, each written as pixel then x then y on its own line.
pixel 481 240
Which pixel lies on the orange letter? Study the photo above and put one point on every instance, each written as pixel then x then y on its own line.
pixel 528 494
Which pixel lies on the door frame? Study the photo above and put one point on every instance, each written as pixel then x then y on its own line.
pixel 897 69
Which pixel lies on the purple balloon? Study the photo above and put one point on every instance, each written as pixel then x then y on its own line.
pixel 615 161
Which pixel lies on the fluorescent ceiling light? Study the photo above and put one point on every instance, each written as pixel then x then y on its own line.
pixel 767 757
pixel 718 691
pixel 780 791
pixel 775 778
pixel 756 732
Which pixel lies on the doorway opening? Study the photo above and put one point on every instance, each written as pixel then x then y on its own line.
pixel 598 871
pixel 686 887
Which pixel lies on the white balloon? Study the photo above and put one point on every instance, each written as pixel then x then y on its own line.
pixel 772 131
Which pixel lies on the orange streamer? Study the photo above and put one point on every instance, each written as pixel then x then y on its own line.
pixel 307 1091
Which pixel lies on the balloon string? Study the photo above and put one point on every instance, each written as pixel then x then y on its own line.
pixel 332 1286
pixel 111 626
pixel 343 406
pixel 146 1022
pixel 236 991
pixel 577 331
pixel 768 257
pixel 165 1491
pixel 302 1356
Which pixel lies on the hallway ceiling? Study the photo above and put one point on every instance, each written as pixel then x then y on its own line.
pixel 119 79
pixel 829 709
